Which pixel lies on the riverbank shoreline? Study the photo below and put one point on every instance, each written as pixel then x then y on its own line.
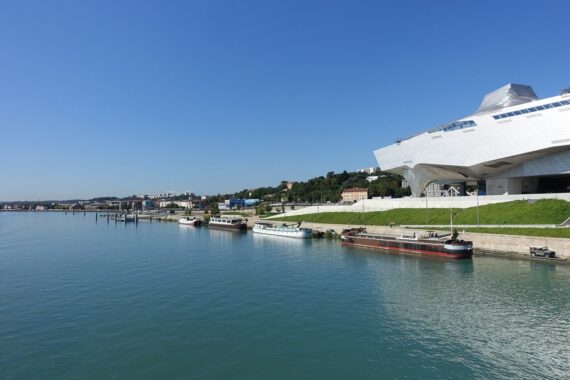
pixel 513 246
pixel 507 245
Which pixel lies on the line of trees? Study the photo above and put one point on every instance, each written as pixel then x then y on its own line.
pixel 329 188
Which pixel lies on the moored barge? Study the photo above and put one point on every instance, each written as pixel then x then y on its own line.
pixel 228 222
pixel 432 244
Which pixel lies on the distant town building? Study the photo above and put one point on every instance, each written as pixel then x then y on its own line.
pixel 290 185
pixel 96 206
pixel 251 202
pixel 371 170
pixel 353 195
pixel 147 204
pixel 240 203
pixel 41 208
pixel 372 178
pixel 182 204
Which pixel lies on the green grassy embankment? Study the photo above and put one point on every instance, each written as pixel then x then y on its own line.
pixel 545 211
pixel 541 232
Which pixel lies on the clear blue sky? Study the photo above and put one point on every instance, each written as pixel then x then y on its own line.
pixel 120 97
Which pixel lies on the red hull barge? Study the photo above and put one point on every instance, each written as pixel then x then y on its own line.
pixel 430 245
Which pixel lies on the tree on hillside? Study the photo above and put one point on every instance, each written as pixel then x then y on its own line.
pixel 324 188
pixel 214 208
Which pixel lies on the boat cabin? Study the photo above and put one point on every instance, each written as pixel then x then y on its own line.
pixel 229 220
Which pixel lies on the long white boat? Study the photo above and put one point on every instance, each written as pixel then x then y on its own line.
pixel 282 230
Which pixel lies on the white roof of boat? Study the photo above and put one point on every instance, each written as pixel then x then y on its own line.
pixel 229 216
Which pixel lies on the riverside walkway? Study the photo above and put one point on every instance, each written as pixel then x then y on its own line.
pixel 471 226
pixel 516 245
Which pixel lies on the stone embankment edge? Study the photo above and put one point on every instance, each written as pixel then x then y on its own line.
pixel 509 244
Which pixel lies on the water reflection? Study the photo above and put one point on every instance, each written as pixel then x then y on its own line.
pixel 212 303
pixel 543 266
pixel 498 313
pixel 261 240
pixel 187 227
pixel 225 236
pixel 420 263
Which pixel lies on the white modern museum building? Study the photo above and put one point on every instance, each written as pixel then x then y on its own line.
pixel 514 143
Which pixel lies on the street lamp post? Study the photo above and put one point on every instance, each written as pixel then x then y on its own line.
pixel 362 200
pixel 425 195
pixel 451 220
pixel 478 224
pixel 313 198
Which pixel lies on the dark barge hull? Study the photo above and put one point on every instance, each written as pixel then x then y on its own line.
pixel 419 247
pixel 234 227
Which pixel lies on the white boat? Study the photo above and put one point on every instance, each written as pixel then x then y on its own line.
pixel 283 230
pixel 186 220
pixel 228 222
pixel 126 218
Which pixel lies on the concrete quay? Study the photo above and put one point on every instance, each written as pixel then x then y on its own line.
pixel 508 244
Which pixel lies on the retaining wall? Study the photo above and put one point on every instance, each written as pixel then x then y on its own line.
pixel 491 242
pixel 443 202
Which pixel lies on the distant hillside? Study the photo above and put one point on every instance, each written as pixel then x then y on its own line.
pixel 328 188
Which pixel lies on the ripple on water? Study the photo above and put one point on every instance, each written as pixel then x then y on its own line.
pixel 86 300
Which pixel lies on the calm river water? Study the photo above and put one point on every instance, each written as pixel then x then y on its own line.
pixel 86 300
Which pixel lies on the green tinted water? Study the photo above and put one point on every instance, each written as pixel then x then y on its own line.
pixel 80 299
